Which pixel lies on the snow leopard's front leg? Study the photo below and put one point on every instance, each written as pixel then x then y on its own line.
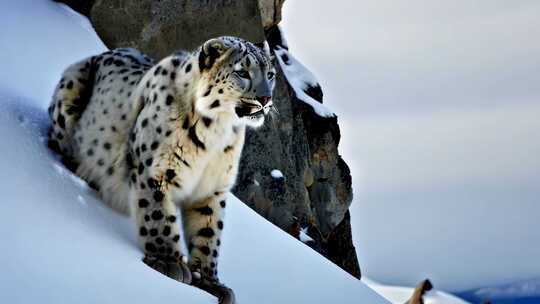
pixel 203 223
pixel 157 225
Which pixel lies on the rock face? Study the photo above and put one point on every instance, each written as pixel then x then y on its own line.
pixel 270 12
pixel 315 190
pixel 160 27
pixel 312 188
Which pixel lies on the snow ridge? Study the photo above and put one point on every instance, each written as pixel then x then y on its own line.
pixel 300 79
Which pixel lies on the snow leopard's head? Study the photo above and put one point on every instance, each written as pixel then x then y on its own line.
pixel 239 79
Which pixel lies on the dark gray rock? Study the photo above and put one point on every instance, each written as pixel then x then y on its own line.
pixel 270 12
pixel 159 28
pixel 315 191
pixel 81 6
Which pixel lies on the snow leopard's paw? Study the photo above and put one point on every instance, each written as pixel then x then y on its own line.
pixel 173 268
pixel 224 294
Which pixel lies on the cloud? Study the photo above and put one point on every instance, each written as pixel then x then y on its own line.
pixel 418 53
pixel 489 146
pixel 438 103
pixel 437 189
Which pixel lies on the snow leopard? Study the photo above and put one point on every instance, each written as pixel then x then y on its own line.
pixel 159 139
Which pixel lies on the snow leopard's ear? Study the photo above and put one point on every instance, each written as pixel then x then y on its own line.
pixel 265 47
pixel 210 51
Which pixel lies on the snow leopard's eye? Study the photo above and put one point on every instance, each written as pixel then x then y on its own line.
pixel 242 74
pixel 270 75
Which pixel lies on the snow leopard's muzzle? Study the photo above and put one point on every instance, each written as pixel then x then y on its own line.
pixel 257 107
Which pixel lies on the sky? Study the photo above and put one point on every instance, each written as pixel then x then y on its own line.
pixel 438 104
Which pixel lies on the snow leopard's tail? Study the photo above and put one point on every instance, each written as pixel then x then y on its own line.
pixel 69 101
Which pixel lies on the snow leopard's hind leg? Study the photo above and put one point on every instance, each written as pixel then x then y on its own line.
pixel 69 101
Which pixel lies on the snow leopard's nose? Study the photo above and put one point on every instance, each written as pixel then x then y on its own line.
pixel 263 99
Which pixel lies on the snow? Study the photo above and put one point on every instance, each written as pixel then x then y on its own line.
pixel 399 294
pixel 31 32
pixel 283 41
pixel 64 240
pixel 61 245
pixel 304 237
pixel 276 173
pixel 65 246
pixel 300 78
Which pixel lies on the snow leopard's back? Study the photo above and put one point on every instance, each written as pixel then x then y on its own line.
pixel 92 113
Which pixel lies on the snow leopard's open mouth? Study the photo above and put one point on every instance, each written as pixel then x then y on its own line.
pixel 249 107
pixel 258 113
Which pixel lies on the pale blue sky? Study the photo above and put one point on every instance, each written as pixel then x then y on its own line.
pixel 439 107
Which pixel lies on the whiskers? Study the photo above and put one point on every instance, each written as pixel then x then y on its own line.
pixel 273 115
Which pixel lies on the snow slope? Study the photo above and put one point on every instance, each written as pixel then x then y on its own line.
pixel 64 246
pixel 61 245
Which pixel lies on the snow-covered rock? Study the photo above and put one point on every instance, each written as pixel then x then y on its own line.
pixel 301 79
pixel 316 188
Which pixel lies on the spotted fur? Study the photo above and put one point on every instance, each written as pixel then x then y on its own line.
pixel 158 138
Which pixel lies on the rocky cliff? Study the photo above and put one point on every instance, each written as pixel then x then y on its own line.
pixel 291 172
